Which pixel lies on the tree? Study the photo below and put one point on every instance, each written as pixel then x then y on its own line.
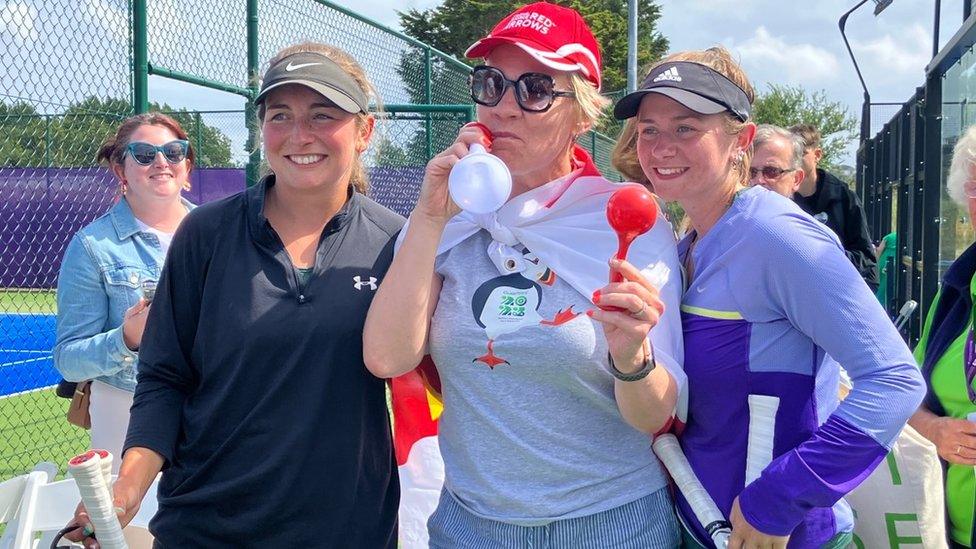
pixel 212 147
pixel 22 133
pixel 788 105
pixel 29 139
pixel 456 24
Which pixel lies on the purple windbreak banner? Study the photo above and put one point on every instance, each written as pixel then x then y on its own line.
pixel 41 208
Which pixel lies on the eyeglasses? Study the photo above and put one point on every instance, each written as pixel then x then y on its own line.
pixel 144 153
pixel 534 92
pixel 768 172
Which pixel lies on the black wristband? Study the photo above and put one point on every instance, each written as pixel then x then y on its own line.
pixel 646 368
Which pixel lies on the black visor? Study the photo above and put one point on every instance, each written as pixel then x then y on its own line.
pixel 695 86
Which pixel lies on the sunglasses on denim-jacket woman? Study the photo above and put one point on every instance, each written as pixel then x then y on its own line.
pixel 144 153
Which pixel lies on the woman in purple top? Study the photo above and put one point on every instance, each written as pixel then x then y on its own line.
pixel 770 294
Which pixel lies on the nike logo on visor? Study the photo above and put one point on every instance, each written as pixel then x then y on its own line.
pixel 291 67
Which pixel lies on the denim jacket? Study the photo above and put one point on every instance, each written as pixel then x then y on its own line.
pixel 101 273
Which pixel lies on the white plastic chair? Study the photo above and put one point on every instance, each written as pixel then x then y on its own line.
pixel 17 534
pixel 46 507
pixel 11 492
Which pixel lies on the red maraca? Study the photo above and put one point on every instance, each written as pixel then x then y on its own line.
pixel 631 212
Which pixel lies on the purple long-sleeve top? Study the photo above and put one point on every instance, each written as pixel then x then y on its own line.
pixel 774 305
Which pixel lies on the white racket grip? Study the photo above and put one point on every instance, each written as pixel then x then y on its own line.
pixel 669 452
pixel 762 431
pixel 87 471
pixel 106 462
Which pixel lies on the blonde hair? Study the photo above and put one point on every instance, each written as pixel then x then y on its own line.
pixel 590 104
pixel 357 177
pixel 962 167
pixel 718 59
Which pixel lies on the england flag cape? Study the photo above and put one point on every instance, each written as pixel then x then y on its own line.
pixel 564 224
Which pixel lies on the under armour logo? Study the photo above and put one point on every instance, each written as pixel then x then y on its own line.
pixel 670 74
pixel 359 283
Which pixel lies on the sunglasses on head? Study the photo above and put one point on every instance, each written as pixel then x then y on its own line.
pixel 145 153
pixel 534 92
pixel 768 172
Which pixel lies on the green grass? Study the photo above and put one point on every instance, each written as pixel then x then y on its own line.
pixel 33 428
pixel 25 301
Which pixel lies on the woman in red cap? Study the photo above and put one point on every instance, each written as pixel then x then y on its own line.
pixel 548 401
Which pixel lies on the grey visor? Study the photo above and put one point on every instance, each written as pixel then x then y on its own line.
pixel 319 73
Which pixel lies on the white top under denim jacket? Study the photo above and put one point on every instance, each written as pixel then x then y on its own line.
pixel 100 278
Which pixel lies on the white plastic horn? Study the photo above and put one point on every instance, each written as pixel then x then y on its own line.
pixel 480 182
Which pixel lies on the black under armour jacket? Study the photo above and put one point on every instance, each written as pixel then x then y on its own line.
pixel 251 384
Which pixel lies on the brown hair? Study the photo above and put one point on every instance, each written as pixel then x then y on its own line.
pixel 112 151
pixel 809 133
pixel 357 177
pixel 716 58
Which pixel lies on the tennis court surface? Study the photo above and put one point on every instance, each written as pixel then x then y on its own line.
pixel 26 341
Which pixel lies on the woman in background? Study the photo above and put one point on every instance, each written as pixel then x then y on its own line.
pixel 111 263
pixel 948 358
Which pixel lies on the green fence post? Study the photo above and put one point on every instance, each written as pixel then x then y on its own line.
pixel 47 141
pixel 250 114
pixel 140 58
pixel 199 145
pixel 429 96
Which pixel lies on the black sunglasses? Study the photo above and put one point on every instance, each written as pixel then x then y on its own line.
pixel 534 92
pixel 144 153
pixel 768 172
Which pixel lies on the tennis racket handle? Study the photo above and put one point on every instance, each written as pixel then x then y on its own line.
pixel 106 463
pixel 708 514
pixel 762 431
pixel 87 471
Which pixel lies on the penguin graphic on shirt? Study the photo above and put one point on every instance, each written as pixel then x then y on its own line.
pixel 508 303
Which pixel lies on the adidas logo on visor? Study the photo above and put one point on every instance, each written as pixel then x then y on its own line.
pixel 670 74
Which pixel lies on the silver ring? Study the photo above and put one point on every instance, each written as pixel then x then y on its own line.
pixel 640 314
pixel 958 448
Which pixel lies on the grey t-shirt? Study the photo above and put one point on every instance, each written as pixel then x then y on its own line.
pixel 531 431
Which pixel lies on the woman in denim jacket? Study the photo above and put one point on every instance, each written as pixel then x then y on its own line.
pixel 110 267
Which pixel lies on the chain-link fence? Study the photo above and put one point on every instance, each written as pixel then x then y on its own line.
pixel 71 71
pixel 59 73
pixel 881 113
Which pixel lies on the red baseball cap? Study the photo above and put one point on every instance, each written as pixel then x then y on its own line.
pixel 555 36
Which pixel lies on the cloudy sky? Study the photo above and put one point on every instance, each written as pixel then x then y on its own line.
pixel 798 42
